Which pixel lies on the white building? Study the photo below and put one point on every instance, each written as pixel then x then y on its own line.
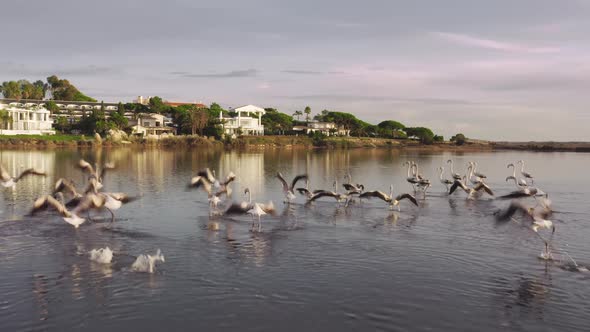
pixel 26 119
pixel 153 125
pixel 326 128
pixel 142 100
pixel 244 122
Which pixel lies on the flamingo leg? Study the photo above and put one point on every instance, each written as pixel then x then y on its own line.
pixel 547 252
pixel 112 216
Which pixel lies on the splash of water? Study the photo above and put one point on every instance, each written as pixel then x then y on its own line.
pixel 101 255
pixel 147 262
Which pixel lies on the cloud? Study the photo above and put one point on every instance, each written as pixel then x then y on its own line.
pixel 312 72
pixel 545 76
pixel 22 70
pixel 231 74
pixel 83 70
pixel 380 99
pixel 490 44
pixel 303 72
pixel 263 86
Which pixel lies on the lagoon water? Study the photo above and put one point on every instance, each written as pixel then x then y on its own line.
pixel 443 266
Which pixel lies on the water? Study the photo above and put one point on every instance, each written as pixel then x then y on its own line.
pixel 443 266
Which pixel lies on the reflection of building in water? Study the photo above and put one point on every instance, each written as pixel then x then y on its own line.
pixel 152 167
pixel 249 168
pixel 17 161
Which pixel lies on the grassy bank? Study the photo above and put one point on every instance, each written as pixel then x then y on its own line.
pixel 264 142
pixel 44 140
pixel 543 146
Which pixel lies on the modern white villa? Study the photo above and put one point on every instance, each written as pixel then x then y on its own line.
pixel 152 125
pixel 26 119
pixel 326 128
pixel 247 122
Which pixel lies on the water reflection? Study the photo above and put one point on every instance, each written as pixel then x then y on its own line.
pixel 446 258
pixel 249 168
pixel 40 289
pixel 16 161
pixel 524 296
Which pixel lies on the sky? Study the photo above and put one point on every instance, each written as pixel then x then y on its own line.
pixel 502 70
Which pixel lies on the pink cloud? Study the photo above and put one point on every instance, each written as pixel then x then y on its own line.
pixel 490 44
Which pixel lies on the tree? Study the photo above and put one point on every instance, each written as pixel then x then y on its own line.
pixel 27 89
pixel 459 139
pixel 118 118
pixel 275 122
pixel 11 89
pixel 62 89
pixel 344 120
pixel 425 135
pixel 391 129
pixel 320 116
pixel 5 118
pixel 297 114
pixel 156 105
pixel 391 125
pixel 438 138
pixel 198 119
pixel 95 122
pixel 61 124
pixel 23 89
pixel 307 112
pixel 215 109
pixel 41 89
pixel 52 106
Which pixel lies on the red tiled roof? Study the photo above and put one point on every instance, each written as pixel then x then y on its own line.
pixel 175 104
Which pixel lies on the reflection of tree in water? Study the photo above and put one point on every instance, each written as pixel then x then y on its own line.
pixel 40 293
pixel 522 297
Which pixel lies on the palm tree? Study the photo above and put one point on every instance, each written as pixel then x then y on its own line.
pixel 297 114
pixel 307 112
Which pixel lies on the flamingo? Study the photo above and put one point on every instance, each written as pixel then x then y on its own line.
pixel 538 219
pixel 445 182
pixel 454 175
pixel 288 189
pixel 9 181
pixel 525 174
pixel 520 183
pixel 393 202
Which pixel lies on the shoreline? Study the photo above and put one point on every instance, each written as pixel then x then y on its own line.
pixel 289 142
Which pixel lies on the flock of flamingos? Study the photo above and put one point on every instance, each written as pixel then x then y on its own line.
pixel 528 203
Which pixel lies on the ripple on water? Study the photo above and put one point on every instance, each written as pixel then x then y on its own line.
pixel 313 267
